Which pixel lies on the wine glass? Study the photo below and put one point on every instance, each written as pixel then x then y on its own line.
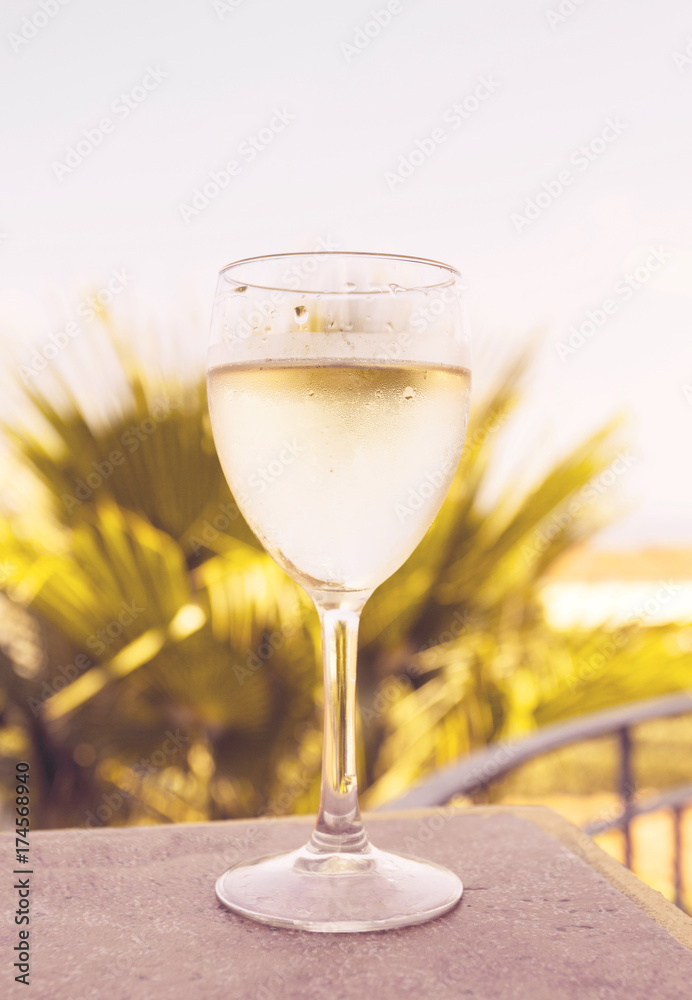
pixel 346 375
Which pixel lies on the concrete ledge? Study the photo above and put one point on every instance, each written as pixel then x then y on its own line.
pixel 128 914
pixel 656 906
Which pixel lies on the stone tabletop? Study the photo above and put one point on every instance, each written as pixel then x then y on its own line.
pixel 128 914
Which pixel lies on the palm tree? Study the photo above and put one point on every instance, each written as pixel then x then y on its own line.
pixel 179 676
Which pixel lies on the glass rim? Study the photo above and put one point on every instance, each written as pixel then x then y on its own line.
pixel 453 274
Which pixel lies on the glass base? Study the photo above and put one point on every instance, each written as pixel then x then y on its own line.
pixel 342 892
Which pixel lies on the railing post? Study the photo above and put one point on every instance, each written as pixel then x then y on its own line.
pixel 626 788
pixel 677 855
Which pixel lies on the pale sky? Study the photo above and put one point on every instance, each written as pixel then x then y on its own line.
pixel 318 129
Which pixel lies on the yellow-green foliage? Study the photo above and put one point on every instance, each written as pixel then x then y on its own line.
pixel 180 675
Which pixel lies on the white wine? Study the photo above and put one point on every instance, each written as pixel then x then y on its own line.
pixel 339 467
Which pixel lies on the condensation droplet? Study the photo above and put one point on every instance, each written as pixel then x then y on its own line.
pixel 350 285
pixel 408 392
pixel 388 327
pixel 394 288
pixel 311 392
pixel 301 314
pixel 240 289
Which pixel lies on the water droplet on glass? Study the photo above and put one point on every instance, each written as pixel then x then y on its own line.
pixel 388 327
pixel 311 392
pixel 301 315
pixel 394 288
pixel 408 392
pixel 348 327
pixel 350 285
pixel 240 289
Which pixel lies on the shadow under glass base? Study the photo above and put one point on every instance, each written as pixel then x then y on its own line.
pixel 370 890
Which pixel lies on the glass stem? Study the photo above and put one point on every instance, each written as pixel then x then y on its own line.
pixel 339 826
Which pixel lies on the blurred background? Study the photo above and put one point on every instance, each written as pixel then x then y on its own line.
pixel 155 665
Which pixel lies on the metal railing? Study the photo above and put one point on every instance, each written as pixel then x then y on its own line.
pixel 479 770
